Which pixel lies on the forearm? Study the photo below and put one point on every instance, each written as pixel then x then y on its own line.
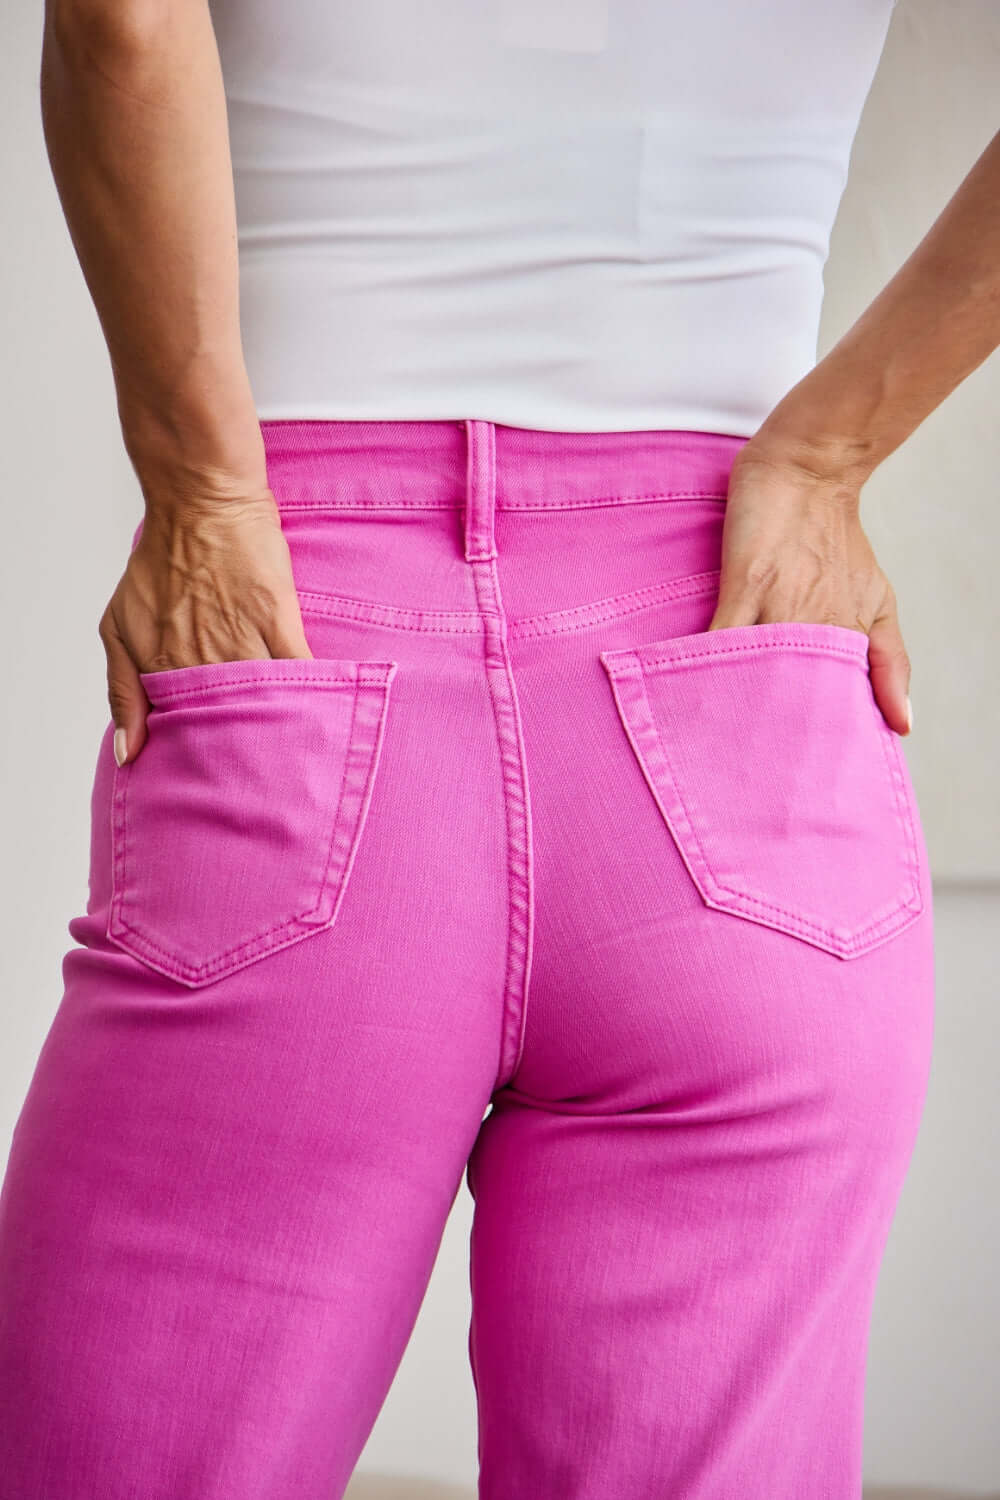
pixel 930 327
pixel 134 116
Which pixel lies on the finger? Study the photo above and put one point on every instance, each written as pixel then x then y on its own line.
pixel 286 636
pixel 734 606
pixel 126 697
pixel 889 666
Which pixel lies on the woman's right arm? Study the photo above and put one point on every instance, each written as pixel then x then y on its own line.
pixel 134 116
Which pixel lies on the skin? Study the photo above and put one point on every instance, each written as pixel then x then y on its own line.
pixel 134 116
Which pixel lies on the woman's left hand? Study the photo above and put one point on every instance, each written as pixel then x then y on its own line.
pixel 793 548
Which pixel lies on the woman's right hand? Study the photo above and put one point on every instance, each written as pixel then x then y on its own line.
pixel 209 580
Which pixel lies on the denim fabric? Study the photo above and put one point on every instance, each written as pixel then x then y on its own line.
pixel 526 878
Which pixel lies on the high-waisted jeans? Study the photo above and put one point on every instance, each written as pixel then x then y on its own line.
pixel 525 877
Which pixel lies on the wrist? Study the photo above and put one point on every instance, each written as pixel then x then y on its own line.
pixel 799 436
pixel 175 474
pixel 205 443
pixel 844 416
pixel 796 459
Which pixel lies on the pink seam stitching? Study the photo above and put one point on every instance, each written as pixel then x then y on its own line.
pixel 893 757
pixel 249 947
pixel 469 622
pixel 795 918
pixel 826 648
pixel 262 941
pixel 616 608
pixel 283 681
pixel 332 505
pixel 364 609
pixel 340 814
pixel 515 939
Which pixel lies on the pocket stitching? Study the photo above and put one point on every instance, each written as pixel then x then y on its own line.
pixel 191 973
pixel 907 904
pixel 231 682
pixel 338 820
pixel 824 648
pixel 363 747
pixel 368 673
pixel 363 742
pixel 894 760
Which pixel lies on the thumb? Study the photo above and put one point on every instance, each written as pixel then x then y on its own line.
pixel 889 666
pixel 126 697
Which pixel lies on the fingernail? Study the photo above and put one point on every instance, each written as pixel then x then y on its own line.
pixel 121 746
pixel 909 714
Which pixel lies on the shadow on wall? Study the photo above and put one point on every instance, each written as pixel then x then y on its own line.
pixel 907 1492
pixel 389 1487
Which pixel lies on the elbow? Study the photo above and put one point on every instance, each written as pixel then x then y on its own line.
pixel 116 26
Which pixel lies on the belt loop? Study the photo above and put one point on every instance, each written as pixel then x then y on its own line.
pixel 480 490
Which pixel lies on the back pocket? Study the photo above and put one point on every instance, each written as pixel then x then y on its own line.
pixel 235 828
pixel 786 792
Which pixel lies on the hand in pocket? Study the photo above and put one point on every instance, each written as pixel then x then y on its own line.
pixel 794 550
pixel 209 579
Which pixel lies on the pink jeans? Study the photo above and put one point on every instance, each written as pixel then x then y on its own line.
pixel 523 840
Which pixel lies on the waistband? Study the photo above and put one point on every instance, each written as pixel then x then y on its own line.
pixel 319 463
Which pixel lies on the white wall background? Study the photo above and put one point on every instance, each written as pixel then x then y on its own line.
pixel 931 509
pixel 933 514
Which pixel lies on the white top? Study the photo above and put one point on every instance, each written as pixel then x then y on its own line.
pixel 568 214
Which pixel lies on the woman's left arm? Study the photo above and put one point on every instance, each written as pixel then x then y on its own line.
pixel 793 546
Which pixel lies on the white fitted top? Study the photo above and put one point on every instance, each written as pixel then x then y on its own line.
pixel 567 214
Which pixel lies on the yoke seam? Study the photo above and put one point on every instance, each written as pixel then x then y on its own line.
pixel 469 622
